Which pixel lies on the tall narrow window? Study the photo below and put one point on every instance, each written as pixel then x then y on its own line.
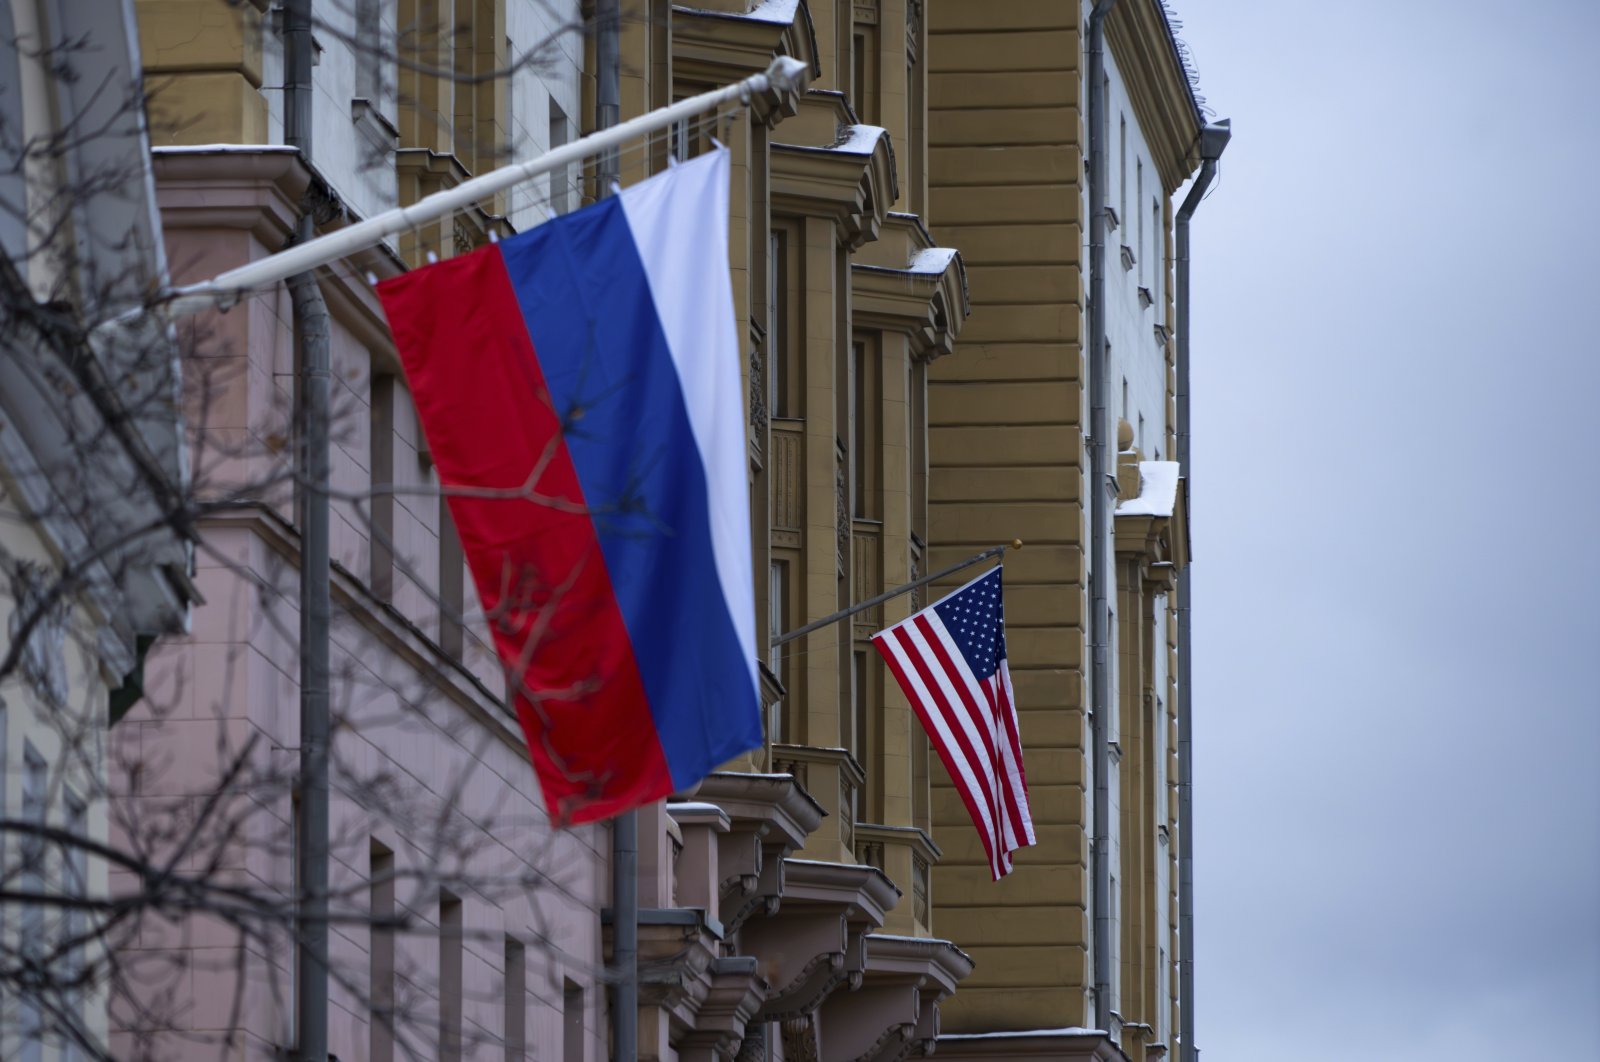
pixel 1124 398
pixel 782 311
pixel 775 339
pixel 380 955
pixel 449 978
pixel 571 1022
pixel 920 795
pixel 30 928
pixel 516 1001
pixel 860 740
pixel 1122 176
pixel 560 177
pixel 860 709
pixel 369 50
pixel 452 584
pixel 859 432
pixel 1158 263
pixel 864 76
pixel 74 920
pixel 1139 197
pixel 777 623
pixel 381 508
pixel 919 451
pixel 679 143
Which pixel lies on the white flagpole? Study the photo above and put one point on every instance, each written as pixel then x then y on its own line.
pixel 786 74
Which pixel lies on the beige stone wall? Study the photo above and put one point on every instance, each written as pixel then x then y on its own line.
pixel 1007 461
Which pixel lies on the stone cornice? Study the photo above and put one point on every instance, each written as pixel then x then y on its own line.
pixel 851 180
pixel 262 191
pixel 913 837
pixel 896 1009
pixel 923 296
pixel 385 623
pixel 719 47
pixel 939 964
pixel 1143 49
pixel 865 894
pixel 1159 542
pixel 1042 1045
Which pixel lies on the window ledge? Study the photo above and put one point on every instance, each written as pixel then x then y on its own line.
pixel 1128 260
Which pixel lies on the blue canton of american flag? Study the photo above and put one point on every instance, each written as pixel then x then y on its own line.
pixel 950 659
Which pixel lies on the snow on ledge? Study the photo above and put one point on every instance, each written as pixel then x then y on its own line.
pixel 860 141
pixel 932 260
pixel 1158 490
pixel 215 149
pixel 779 11
pixel 1070 1030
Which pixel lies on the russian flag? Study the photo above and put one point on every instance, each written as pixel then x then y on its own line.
pixel 579 389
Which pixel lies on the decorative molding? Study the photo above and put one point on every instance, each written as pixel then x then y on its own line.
pixel 787 467
pixel 758 391
pixel 1158 87
pixel 799 1039
pixel 44 654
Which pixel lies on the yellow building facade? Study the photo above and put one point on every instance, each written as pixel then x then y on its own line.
pixel 1010 431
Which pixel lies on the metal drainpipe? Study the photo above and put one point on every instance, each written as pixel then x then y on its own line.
pixel 311 330
pixel 1213 139
pixel 625 827
pixel 1099 527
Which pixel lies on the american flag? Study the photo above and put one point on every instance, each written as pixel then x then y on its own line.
pixel 950 659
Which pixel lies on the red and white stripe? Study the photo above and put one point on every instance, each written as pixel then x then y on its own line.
pixel 972 724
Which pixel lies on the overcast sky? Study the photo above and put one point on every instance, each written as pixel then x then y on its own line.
pixel 1397 392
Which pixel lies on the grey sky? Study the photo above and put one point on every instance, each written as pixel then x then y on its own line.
pixel 1397 386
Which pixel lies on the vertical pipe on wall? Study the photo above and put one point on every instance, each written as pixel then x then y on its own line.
pixel 625 827
pixel 312 334
pixel 1099 529
pixel 608 87
pixel 1212 141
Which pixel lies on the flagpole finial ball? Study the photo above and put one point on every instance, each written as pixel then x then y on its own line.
pixel 1016 543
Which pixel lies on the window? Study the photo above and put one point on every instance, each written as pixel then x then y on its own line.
pixel 452 584
pixel 864 79
pixel 920 795
pixel 516 1001
pixel 74 921
pixel 571 1021
pixel 370 49
pixel 863 426
pixel 1122 175
pixel 1137 198
pixel 381 425
pixel 1158 264
pixel 919 451
pixel 776 344
pixel 777 623
pixel 561 176
pixel 30 925
pixel 786 313
pixel 859 709
pixel 380 954
pixel 449 978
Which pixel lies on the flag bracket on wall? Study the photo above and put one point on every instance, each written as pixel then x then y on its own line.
pixel 889 595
